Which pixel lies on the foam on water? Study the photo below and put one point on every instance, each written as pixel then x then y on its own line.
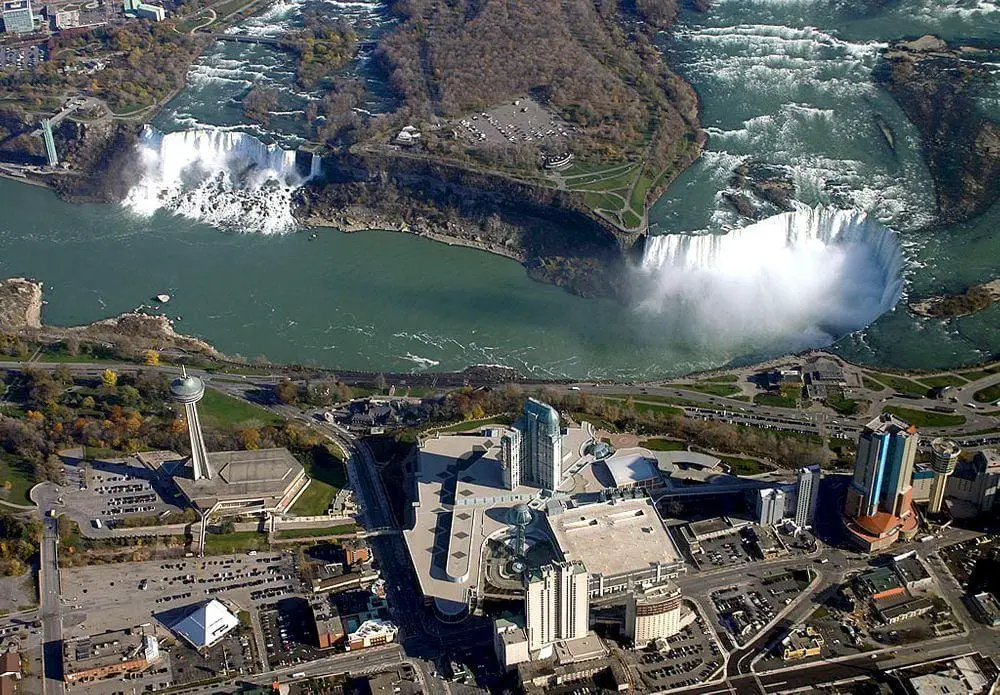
pixel 799 279
pixel 222 177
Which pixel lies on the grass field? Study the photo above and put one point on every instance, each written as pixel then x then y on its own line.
pixel 871 384
pixel 328 476
pixel 923 418
pixel 598 422
pixel 657 408
pixel 935 382
pixel 342 530
pixel 977 374
pixel 742 466
pixel 844 406
pixel 723 379
pixel 658 444
pixel 219 410
pixel 16 478
pixel 785 400
pixel 712 389
pixel 902 384
pixel 987 395
pixel 236 542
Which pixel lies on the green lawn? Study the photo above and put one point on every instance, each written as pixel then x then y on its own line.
pixel 723 379
pixel 630 219
pixel 712 389
pixel 219 410
pixel 903 385
pixel 328 476
pixel 785 400
pixel 659 444
pixel 742 466
pixel 236 542
pixel 598 422
pixel 844 406
pixel 871 384
pixel 988 394
pixel 935 382
pixel 20 478
pixel 656 408
pixel 342 530
pixel 924 418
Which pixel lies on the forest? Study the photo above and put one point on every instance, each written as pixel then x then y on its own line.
pixel 595 63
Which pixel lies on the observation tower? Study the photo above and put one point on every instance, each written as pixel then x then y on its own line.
pixel 188 390
pixel 518 518
pixel 945 457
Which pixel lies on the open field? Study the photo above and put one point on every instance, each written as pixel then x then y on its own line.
pixel 219 410
pixel 659 444
pixel 902 384
pixel 988 394
pixel 16 479
pixel 942 380
pixel 342 530
pixel 923 418
pixel 328 475
pixel 712 389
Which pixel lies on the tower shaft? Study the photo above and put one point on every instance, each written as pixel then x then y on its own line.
pixel 199 455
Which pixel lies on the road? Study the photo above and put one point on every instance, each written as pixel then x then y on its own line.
pixel 51 609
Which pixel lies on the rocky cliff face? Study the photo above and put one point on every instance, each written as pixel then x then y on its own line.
pixel 547 230
pixel 937 86
pixel 102 160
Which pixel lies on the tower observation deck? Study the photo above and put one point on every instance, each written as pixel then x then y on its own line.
pixel 188 390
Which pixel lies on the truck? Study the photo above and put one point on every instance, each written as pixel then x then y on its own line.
pixel 97 523
pixel 925 539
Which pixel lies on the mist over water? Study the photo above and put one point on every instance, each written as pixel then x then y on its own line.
pixel 796 280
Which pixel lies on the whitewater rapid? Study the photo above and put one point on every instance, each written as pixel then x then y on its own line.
pixel 225 178
pixel 799 279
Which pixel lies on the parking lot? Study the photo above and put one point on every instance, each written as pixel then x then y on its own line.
pixel 520 121
pixel 289 633
pixel 103 494
pixel 743 609
pixel 722 552
pixel 693 658
pixel 961 559
pixel 102 597
pixel 21 57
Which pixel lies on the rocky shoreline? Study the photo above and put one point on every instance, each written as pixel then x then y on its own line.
pixel 936 85
pixel 973 300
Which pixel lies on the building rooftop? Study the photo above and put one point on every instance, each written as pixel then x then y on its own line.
pixel 691 459
pixel 239 475
pixel 611 538
pixel 460 501
pixel 961 676
pixel 887 423
pixel 632 466
pixel 105 649
pixel 909 568
pixel 878 580
pixel 206 624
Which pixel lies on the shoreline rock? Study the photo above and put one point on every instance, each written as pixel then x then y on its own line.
pixel 936 86
pixel 20 305
pixel 973 300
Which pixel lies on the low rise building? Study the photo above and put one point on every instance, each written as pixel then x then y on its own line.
pixel 205 624
pixel 510 642
pixel 911 571
pixel 896 610
pixel 968 675
pixel 372 633
pixel 142 10
pixel 108 655
pixel 986 608
pixel 802 643
pixel 622 543
pixel 329 627
pixel 879 583
pixel 695 533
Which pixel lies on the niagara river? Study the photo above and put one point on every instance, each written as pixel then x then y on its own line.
pixel 783 84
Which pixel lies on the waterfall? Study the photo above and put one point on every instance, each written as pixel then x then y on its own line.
pixel 224 178
pixel 804 277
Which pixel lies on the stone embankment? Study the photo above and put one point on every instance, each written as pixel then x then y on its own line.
pixel 973 300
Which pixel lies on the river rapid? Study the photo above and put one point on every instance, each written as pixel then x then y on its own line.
pixel 782 82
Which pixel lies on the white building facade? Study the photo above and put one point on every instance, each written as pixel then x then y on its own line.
pixel 557 606
pixel 808 492
pixel 653 614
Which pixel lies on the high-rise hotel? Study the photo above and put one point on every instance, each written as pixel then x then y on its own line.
pixel 879 508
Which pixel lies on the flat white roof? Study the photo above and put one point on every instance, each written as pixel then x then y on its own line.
pixel 612 538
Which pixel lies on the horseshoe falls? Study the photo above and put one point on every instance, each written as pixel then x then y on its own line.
pixel 797 280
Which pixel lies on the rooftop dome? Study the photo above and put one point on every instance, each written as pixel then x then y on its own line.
pixel 519 515
pixel 187 388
